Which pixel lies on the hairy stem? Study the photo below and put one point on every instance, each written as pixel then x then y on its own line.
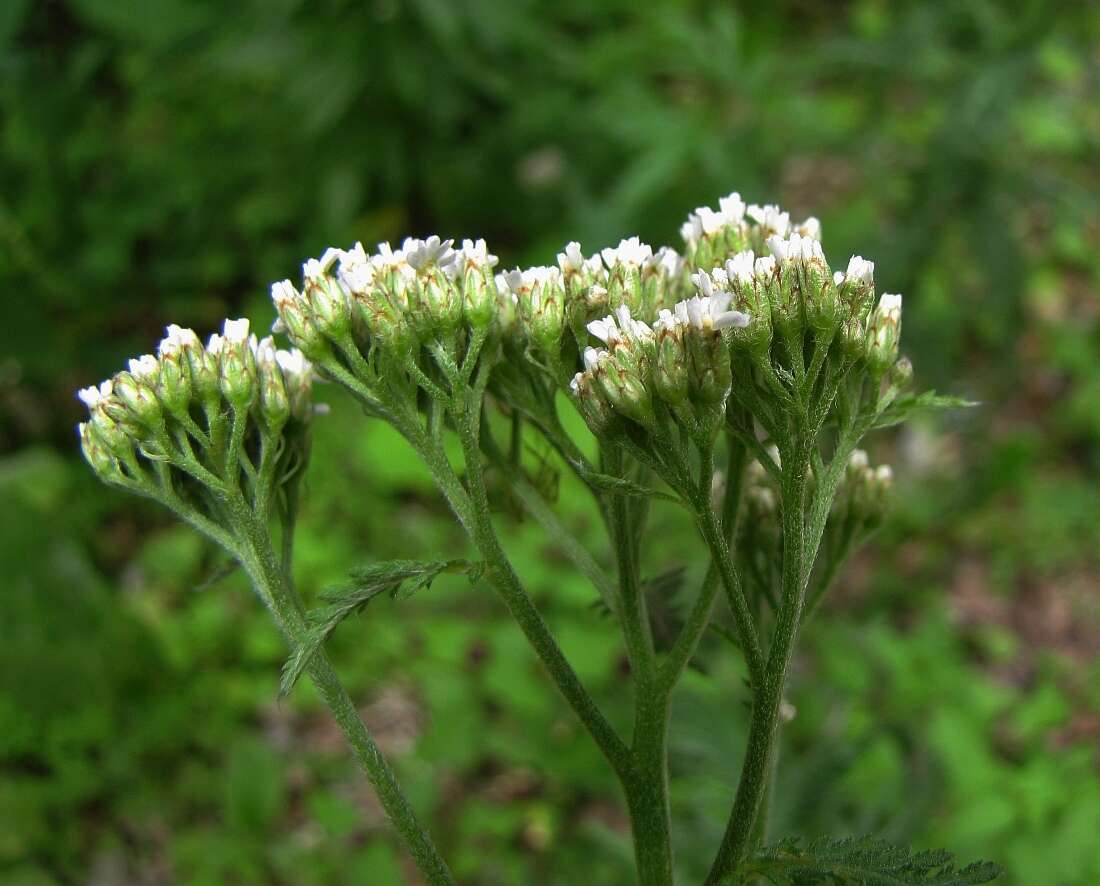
pixel 501 575
pixel 731 581
pixel 270 581
pixel 699 617
pixel 768 695
pixel 647 789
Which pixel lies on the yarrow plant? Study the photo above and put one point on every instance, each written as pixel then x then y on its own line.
pixel 747 347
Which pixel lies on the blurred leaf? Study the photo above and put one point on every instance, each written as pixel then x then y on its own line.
pixel 860 860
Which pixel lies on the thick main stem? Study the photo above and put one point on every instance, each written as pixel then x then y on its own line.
pixel 768 695
pixel 267 575
pixel 647 789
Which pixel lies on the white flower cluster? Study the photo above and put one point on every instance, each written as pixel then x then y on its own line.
pixel 186 382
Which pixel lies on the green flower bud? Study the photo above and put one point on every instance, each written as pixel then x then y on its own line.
pixel 97 455
pixel 295 318
pixel 540 299
pixel 326 298
pixel 174 380
pixel 901 373
pixel 274 400
pixel 884 333
pixel 133 404
pixel 749 279
pixel 670 372
pixel 593 406
pixel 237 363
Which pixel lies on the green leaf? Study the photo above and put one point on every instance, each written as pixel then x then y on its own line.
pixel 859 860
pixel 907 404
pixel 619 485
pixel 394 577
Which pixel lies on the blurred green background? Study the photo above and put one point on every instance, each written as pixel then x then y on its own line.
pixel 164 160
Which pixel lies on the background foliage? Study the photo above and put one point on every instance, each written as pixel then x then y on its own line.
pixel 163 161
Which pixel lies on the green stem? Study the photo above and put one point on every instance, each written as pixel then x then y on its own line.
pixel 768 695
pixel 498 571
pixel 699 617
pixel 536 506
pixel 647 788
pixel 735 594
pixel 267 575
pixel 632 606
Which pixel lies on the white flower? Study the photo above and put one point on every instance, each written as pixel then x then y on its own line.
pixel 283 293
pixel 476 254
pixel 591 359
pixel 884 475
pixel 771 218
pixel 357 271
pixel 632 252
pixel 145 367
pixel 236 331
pixel 619 327
pixel 709 311
pixel 215 344
pixel 797 248
pixel 667 262
pixel 178 338
pixel 739 269
pixel 666 321
pixel 422 253
pixel 811 228
pixel 889 305
pixel 764 266
pixel 265 352
pixel 630 327
pixel 91 396
pixel 606 330
pixel 859 270
pixel 691 230
pixel 732 207
pixel 858 460
pixel 292 362
pixel 571 258
pixel 575 383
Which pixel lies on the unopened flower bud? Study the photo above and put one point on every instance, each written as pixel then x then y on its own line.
pixel 326 298
pixel 96 454
pixel 856 286
pixel 479 291
pixel 670 372
pixel 133 402
pixel 749 280
pixel 274 400
pixel 901 373
pixel 298 378
pixel 238 365
pixel 884 334
pixel 173 385
pixel 295 318
pixel 619 376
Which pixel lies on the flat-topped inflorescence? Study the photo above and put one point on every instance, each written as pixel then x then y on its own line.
pixel 231 414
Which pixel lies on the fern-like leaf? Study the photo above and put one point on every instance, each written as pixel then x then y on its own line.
pixel 904 406
pixel 865 861
pixel 394 577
